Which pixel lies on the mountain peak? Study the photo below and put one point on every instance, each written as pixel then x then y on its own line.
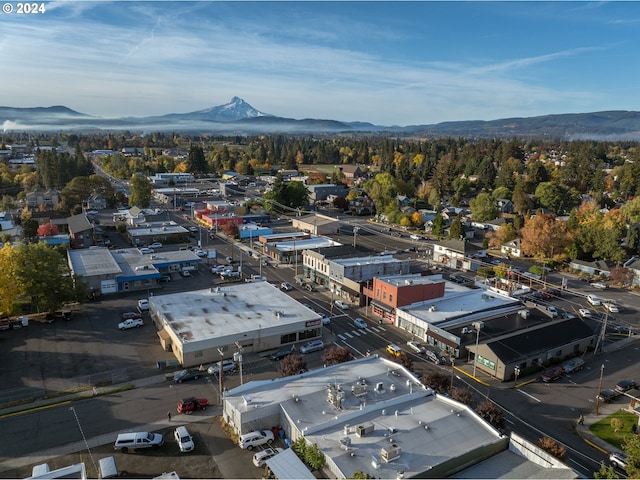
pixel 236 109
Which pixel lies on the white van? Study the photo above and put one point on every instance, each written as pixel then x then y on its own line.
pixel 107 466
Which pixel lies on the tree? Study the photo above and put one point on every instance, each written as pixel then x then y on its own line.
pixel 456 231
pixel 29 229
pixel 340 203
pixel 499 237
pixel 631 447
pixel 45 275
pixel 292 365
pixel 48 230
pixel 462 395
pixel 621 275
pixel 230 229
pixel 309 454
pixel 196 162
pixel 545 237
pixel 297 194
pixel 483 207
pixel 552 196
pixel 438 225
pixel 553 448
pixel 440 382
pixel 11 288
pixel 336 355
pixel 140 191
pixel 491 413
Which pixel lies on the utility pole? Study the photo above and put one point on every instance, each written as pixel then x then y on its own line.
pixel 452 370
pixel 220 373
pixel 599 389
pixel 238 358
pixel 516 372
pixel 475 356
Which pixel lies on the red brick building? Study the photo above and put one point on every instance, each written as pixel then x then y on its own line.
pixel 385 294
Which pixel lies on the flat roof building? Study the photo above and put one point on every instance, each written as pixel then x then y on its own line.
pixel 258 316
pixel 372 415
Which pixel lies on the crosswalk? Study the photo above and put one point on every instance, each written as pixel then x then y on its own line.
pixel 360 332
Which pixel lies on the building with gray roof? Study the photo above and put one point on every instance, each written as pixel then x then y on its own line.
pixel 257 316
pixel 110 271
pixel 372 415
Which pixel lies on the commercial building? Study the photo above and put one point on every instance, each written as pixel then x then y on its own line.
pixel 535 346
pixel 372 415
pixel 111 271
pixel 147 233
pixel 316 224
pixel 257 316
pixel 344 273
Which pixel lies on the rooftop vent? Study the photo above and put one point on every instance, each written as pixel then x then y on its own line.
pixel 345 443
pixel 433 308
pixel 365 428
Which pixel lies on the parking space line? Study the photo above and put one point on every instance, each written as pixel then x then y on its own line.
pixel 348 334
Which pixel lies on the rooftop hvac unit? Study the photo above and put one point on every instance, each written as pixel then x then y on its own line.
pixel 362 430
pixel 433 308
pixel 358 389
pixel 345 443
pixel 379 387
pixel 390 453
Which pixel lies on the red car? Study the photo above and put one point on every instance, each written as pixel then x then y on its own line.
pixel 551 374
pixel 191 404
pixel 130 315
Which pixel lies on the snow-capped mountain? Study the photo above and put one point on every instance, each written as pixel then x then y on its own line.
pixel 236 109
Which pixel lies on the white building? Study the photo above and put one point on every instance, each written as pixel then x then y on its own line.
pixel 258 316
pixel 372 415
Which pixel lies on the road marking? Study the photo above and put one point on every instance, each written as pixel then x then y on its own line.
pixel 341 337
pixel 348 334
pixel 357 333
pixel 530 396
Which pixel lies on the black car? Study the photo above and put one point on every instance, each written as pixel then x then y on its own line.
pixel 283 352
pixel 165 279
pixel 184 375
pixel 625 385
pixel 606 396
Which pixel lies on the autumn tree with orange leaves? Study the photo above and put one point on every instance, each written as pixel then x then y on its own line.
pixel 545 237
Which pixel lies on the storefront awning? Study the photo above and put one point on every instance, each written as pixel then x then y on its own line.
pixel 382 306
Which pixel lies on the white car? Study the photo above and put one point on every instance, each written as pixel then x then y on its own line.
pixel 186 273
pixel 260 458
pixel 600 285
pixel 184 439
pixel 228 365
pixel 221 268
pixel 155 245
pixel 611 306
pixel 341 304
pixel 201 253
pixel 584 313
pixel 146 251
pixel 130 323
pixel 143 305
pixel 312 346
pixel 250 440
pixel 593 300
pixel 416 347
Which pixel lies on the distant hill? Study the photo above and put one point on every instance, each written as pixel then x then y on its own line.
pixel 237 117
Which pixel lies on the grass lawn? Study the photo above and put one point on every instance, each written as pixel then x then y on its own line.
pixel 606 432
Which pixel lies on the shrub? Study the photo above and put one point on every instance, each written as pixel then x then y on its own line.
pixel 553 448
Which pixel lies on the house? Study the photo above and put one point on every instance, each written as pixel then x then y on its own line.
pixel 80 231
pixel 505 205
pixel 39 199
pixel 96 202
pixel 597 267
pixel 511 248
pixel 459 254
pixel 351 172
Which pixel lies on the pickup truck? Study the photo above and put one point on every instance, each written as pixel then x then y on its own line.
pixel 130 323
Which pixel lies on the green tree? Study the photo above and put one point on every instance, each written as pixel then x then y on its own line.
pixel 45 275
pixel 456 231
pixel 438 225
pixel 483 207
pixel 520 199
pixel 552 196
pixel 382 189
pixel 297 195
pixel 196 163
pixel 29 229
pixel 140 191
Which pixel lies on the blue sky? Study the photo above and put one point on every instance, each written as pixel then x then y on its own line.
pixel 389 63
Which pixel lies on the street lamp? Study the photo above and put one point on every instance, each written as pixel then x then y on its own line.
pixel 237 357
pixel 599 388
pixel 452 358
pixel 516 372
pixel 84 437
